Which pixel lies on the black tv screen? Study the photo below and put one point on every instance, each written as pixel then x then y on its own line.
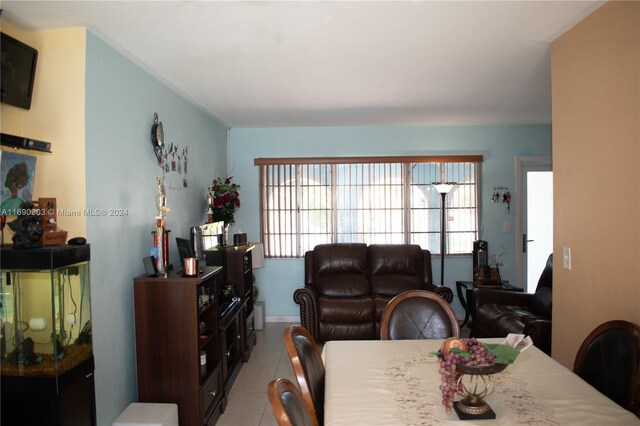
pixel 18 72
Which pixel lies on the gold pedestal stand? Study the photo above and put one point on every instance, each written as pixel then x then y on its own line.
pixel 474 386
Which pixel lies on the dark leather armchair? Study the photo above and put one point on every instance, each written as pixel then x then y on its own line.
pixel 500 312
pixel 348 285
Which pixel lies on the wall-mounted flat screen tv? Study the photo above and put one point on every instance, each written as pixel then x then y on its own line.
pixel 18 72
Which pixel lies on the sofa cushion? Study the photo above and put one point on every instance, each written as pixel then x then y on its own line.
pixel 487 316
pixel 395 258
pixel 343 285
pixel 380 302
pixel 394 268
pixel 346 310
pixel 337 331
pixel 499 320
pixel 393 284
pixel 340 270
pixel 508 324
pixel 488 311
pixel 339 259
pixel 541 302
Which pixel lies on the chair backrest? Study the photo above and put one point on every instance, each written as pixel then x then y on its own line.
pixel 287 404
pixel 542 299
pixel 546 278
pixel 418 314
pixel 609 360
pixel 308 367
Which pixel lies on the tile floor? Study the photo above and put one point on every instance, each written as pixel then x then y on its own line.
pixel 248 404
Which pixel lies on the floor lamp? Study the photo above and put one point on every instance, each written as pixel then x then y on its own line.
pixel 443 188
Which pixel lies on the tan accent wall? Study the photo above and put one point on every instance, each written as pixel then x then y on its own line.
pixel 56 116
pixel 596 162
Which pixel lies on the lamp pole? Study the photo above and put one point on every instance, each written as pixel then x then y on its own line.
pixel 443 188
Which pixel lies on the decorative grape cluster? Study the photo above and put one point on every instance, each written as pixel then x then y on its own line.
pixel 476 355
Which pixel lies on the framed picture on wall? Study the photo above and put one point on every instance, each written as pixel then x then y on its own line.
pixel 17 175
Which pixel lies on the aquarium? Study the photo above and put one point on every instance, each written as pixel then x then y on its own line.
pixel 45 310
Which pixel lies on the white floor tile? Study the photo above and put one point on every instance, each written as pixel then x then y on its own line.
pixel 248 402
pixel 228 419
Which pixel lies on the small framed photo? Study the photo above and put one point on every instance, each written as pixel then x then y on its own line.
pixel 150 267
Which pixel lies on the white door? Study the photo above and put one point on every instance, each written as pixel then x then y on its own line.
pixel 535 222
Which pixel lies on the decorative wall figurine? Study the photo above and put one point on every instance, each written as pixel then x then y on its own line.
pixel 502 194
pixel 172 159
pixel 27 229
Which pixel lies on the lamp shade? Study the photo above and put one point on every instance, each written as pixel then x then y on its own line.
pixel 257 257
pixel 443 187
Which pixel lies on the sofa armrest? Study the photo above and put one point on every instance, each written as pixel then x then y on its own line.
pixel 307 299
pixel 308 268
pixel 443 291
pixel 501 297
pixel 540 332
pixel 427 278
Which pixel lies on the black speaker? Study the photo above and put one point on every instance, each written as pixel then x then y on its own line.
pixel 480 257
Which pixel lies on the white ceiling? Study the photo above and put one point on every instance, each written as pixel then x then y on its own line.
pixel 334 63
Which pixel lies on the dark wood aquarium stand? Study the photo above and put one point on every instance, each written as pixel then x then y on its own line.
pixel 53 383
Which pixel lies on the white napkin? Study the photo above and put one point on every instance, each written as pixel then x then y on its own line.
pixel 519 342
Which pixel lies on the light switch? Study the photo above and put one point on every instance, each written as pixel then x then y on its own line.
pixel 505 227
pixel 566 258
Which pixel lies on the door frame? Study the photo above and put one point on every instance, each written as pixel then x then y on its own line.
pixel 523 165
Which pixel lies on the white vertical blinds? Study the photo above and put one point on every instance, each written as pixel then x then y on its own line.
pixel 305 202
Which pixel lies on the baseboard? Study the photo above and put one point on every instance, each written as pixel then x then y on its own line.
pixel 283 318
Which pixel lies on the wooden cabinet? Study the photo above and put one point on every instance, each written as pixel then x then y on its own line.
pixel 177 329
pixel 238 273
pixel 230 338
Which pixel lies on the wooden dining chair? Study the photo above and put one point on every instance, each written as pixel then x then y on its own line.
pixel 609 360
pixel 418 314
pixel 308 367
pixel 288 405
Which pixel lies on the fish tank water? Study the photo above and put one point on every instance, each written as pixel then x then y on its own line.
pixel 45 311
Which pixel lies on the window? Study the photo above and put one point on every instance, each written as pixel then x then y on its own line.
pixel 373 200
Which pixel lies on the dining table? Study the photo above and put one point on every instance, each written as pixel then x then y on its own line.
pixel 396 382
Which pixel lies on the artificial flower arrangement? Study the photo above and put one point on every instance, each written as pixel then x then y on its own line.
pixel 223 200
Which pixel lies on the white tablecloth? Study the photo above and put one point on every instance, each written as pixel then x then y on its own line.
pixel 374 382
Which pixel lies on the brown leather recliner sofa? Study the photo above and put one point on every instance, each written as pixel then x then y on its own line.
pixel 499 312
pixel 348 285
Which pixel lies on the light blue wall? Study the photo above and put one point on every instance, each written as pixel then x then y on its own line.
pixel 498 144
pixel 121 173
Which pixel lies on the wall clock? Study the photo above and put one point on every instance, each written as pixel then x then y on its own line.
pixel 157 137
